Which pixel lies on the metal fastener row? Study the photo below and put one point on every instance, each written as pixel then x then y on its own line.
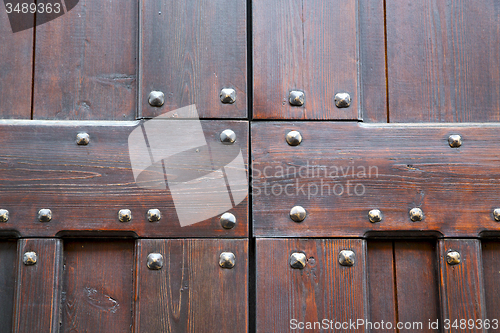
pixel 156 98
pixel 298 260
pixel 154 261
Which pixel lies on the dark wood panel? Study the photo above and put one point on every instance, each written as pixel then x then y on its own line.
pixel 341 171
pixel 192 293
pixel 38 286
pixel 462 289
pixel 308 45
pixel 41 166
pixel 85 63
pixel 322 290
pixel 443 61
pixel 190 50
pixel 491 273
pixel 8 270
pixel 98 290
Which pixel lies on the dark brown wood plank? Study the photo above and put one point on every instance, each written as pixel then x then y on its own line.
pixel 85 186
pixel 341 171
pixel 190 50
pixel 491 273
pixel 192 293
pixel 462 289
pixel 8 270
pixel 322 290
pixel 98 286
pixel 38 287
pixel 85 63
pixel 443 61
pixel 307 45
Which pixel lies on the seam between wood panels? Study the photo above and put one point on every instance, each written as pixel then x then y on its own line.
pixel 386 63
pixel 396 307
pixel 33 65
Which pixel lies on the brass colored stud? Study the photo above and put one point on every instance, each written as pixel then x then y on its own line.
pixel 347 258
pixel 227 260
pixel 154 215
pixel 228 95
pixel 82 139
pixel 155 261
pixel 44 215
pixel 124 215
pixel 227 137
pixel 455 141
pixel 29 258
pixel 298 214
pixel 4 215
pixel 375 216
pixel 293 138
pixel 342 100
pixel 296 98
pixel 496 214
pixel 453 258
pixel 298 260
pixel 416 214
pixel 228 220
pixel 156 98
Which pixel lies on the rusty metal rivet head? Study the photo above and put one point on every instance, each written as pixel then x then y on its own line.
pixel 342 100
pixel 455 141
pixel 227 260
pixel 298 214
pixel 228 220
pixel 375 215
pixel 124 215
pixel 44 215
pixel 4 215
pixel 293 138
pixel 496 214
pixel 154 215
pixel 155 261
pixel 156 98
pixel 227 137
pixel 296 98
pixel 29 258
pixel 416 214
pixel 82 139
pixel 453 258
pixel 347 258
pixel 298 260
pixel 228 95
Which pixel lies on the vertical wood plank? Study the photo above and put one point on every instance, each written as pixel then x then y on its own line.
pixel 308 45
pixel 8 265
pixel 462 289
pixel 98 286
pixel 491 274
pixel 322 290
pixel 85 63
pixel 190 50
pixel 192 293
pixel 38 286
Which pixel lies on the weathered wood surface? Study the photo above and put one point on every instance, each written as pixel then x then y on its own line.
pixel 192 293
pixel 491 272
pixel 8 273
pixel 341 171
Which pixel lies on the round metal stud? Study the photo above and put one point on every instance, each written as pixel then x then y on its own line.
pixel 124 215
pixel 342 100
pixel 496 214
pixel 293 138
pixel 455 141
pixel 227 137
pixel 296 98
pixel 29 258
pixel 227 260
pixel 44 215
pixel 298 260
pixel 375 216
pixel 453 258
pixel 416 214
pixel 154 215
pixel 228 220
pixel 228 95
pixel 156 98
pixel 4 215
pixel 82 139
pixel 155 261
pixel 298 214
pixel 347 258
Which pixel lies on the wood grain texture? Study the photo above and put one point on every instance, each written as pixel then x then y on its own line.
pixel 322 290
pixel 307 45
pixel 38 287
pixel 98 286
pixel 8 270
pixel 85 63
pixel 85 186
pixel 443 61
pixel 491 273
pixel 192 293
pixel 462 289
pixel 341 171
pixel 190 50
